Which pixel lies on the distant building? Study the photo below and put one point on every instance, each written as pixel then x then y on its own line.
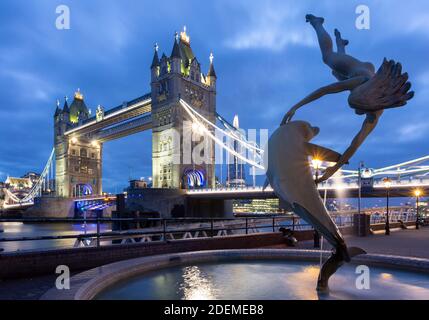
pixel 18 183
pixel 34 177
pixel 257 206
pixel 138 184
pixel 236 176
pixel 77 158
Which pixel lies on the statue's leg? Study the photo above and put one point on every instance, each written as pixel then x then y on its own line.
pixel 341 43
pixel 325 41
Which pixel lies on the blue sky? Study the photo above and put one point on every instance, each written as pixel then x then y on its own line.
pixel 266 59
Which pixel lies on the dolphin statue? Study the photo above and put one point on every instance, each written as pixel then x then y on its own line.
pixel 290 176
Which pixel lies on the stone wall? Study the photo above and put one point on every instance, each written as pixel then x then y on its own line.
pixel 51 207
pixel 27 264
pixel 155 200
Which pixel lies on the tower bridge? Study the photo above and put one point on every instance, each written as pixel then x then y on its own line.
pixel 79 138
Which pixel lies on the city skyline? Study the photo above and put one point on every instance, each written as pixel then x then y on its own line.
pixel 259 58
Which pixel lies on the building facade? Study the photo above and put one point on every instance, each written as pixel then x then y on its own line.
pixel 77 159
pixel 236 176
pixel 182 157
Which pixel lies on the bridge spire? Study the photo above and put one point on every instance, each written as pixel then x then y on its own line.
pixel 155 60
pixel 175 53
pixel 211 75
pixel 58 109
pixel 66 105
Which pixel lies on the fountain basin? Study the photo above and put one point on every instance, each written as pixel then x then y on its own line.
pixel 247 274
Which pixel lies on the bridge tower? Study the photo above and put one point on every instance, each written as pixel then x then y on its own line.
pixel 77 158
pixel 182 156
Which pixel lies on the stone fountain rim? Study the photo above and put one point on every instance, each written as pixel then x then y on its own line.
pixel 88 284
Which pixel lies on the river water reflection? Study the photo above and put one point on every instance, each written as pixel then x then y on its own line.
pixel 19 230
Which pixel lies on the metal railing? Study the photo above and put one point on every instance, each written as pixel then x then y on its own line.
pixel 130 230
pixel 156 229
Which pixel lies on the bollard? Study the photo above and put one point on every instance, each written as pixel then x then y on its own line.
pixel 98 230
pixel 316 238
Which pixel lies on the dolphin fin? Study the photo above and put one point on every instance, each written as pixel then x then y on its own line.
pixel 266 184
pixel 355 251
pixel 322 153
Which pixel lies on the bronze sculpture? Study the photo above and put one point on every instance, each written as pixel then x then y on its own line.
pixel 370 92
pixel 288 168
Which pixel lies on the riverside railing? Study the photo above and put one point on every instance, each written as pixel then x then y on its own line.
pixel 156 229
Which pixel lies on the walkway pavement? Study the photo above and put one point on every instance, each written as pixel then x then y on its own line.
pixel 412 243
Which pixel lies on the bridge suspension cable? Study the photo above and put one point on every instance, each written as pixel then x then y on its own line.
pixel 243 142
pixel 44 182
pixel 193 116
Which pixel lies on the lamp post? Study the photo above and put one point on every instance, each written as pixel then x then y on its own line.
pixel 387 184
pixel 316 165
pixel 417 193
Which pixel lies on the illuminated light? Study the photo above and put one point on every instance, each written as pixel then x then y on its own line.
pixel 95 144
pixel 73 140
pixel 367 173
pixel 387 183
pixel 198 128
pixel 316 163
pixel 386 276
pixel 184 37
pixel 78 95
pixel 418 193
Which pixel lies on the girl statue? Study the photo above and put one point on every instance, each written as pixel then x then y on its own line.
pixel 370 92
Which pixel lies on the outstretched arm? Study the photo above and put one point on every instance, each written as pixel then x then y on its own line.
pixel 332 88
pixel 368 126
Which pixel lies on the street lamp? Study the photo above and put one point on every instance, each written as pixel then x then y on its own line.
pixel 387 184
pixel 417 193
pixel 316 163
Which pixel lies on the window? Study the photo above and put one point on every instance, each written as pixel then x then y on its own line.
pixel 76 169
pixel 83 153
pixel 73 152
pixel 93 155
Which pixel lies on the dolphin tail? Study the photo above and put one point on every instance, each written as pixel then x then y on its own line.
pixel 334 262
pixel 355 251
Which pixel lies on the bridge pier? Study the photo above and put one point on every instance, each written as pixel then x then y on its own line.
pixel 51 207
pixel 209 208
pixel 174 203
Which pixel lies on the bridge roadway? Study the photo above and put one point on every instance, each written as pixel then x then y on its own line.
pixel 112 124
pixel 404 189
pixel 346 191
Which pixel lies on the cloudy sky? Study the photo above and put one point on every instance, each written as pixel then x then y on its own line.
pixel 266 59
